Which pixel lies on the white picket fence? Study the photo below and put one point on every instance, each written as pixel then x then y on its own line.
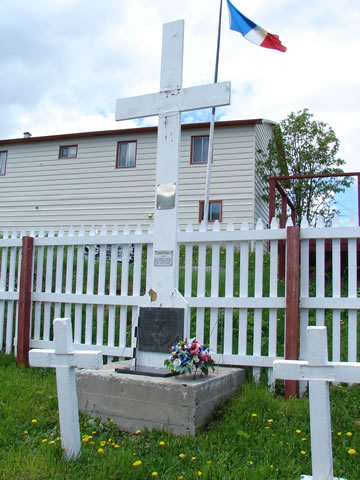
pixel 79 275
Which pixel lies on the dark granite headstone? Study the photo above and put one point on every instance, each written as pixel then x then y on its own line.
pixel 158 329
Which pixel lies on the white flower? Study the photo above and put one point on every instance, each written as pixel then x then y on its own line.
pixel 177 362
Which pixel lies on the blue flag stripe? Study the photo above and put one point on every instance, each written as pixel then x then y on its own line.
pixel 238 21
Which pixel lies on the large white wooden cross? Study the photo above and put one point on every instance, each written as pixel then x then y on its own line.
pixel 319 372
pixel 168 105
pixel 64 358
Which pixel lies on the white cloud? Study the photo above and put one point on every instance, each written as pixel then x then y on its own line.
pixel 64 63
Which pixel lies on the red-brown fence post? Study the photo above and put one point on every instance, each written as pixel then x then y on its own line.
pixel 23 335
pixel 292 304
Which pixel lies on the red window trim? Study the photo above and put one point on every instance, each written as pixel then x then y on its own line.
pixel 201 202
pixel 68 146
pixel 4 151
pixel 117 153
pixel 191 150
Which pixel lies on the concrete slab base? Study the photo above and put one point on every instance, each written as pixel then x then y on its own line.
pixel 178 404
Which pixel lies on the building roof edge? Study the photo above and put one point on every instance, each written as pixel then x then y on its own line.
pixel 103 133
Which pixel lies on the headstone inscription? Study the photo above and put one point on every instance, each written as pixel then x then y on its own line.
pixel 65 359
pixel 168 105
pixel 319 372
pixel 158 329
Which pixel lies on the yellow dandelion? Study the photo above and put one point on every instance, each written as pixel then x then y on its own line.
pixel 111 420
pixel 180 478
pixel 116 446
pixel 58 438
pixel 349 434
pixel 193 458
pixel 109 441
pixel 209 462
pixel 253 415
pixel 137 463
pixel 91 443
pixel 44 440
pixel 339 434
pixel 270 420
pixel 267 428
pixel 52 442
pixel 100 450
pixel 199 474
pixel 303 452
pixel 250 462
pixel 137 432
pixel 352 451
pixel 34 420
pixel 154 474
pixel 94 432
pixel 102 444
pixel 25 432
pixel 162 443
pixel 182 455
pixel 298 431
pixel 304 439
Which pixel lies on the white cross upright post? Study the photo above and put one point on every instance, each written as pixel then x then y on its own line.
pixel 168 105
pixel 65 359
pixel 319 372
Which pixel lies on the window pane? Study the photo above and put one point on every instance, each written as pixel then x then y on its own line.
pixel 214 213
pixel 71 151
pixel 200 149
pixel 205 149
pixel 68 152
pixel 126 155
pixel 201 211
pixel 2 162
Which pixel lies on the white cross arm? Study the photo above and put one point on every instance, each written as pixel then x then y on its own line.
pixel 193 98
pixel 79 359
pixel 348 372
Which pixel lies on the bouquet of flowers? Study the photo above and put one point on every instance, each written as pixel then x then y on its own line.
pixel 187 356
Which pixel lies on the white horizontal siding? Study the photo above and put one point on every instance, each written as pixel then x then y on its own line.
pixel 232 165
pixel 264 134
pixel 41 190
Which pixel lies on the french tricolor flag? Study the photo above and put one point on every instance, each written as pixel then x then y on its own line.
pixel 252 32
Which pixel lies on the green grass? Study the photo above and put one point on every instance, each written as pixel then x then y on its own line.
pixel 252 437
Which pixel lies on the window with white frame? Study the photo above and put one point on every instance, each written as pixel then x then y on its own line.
pixel 215 210
pixel 68 151
pixel 3 160
pixel 199 149
pixel 126 154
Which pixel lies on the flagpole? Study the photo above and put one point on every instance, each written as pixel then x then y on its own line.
pixel 212 125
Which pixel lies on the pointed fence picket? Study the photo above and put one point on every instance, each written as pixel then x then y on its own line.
pixel 226 315
pixel 79 274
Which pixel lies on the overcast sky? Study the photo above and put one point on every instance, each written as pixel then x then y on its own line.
pixel 63 63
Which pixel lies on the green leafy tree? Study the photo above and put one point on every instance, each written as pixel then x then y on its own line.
pixel 302 146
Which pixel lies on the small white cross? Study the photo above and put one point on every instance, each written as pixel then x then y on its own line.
pixel 319 372
pixel 65 359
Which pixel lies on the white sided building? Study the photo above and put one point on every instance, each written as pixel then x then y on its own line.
pixel 108 177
